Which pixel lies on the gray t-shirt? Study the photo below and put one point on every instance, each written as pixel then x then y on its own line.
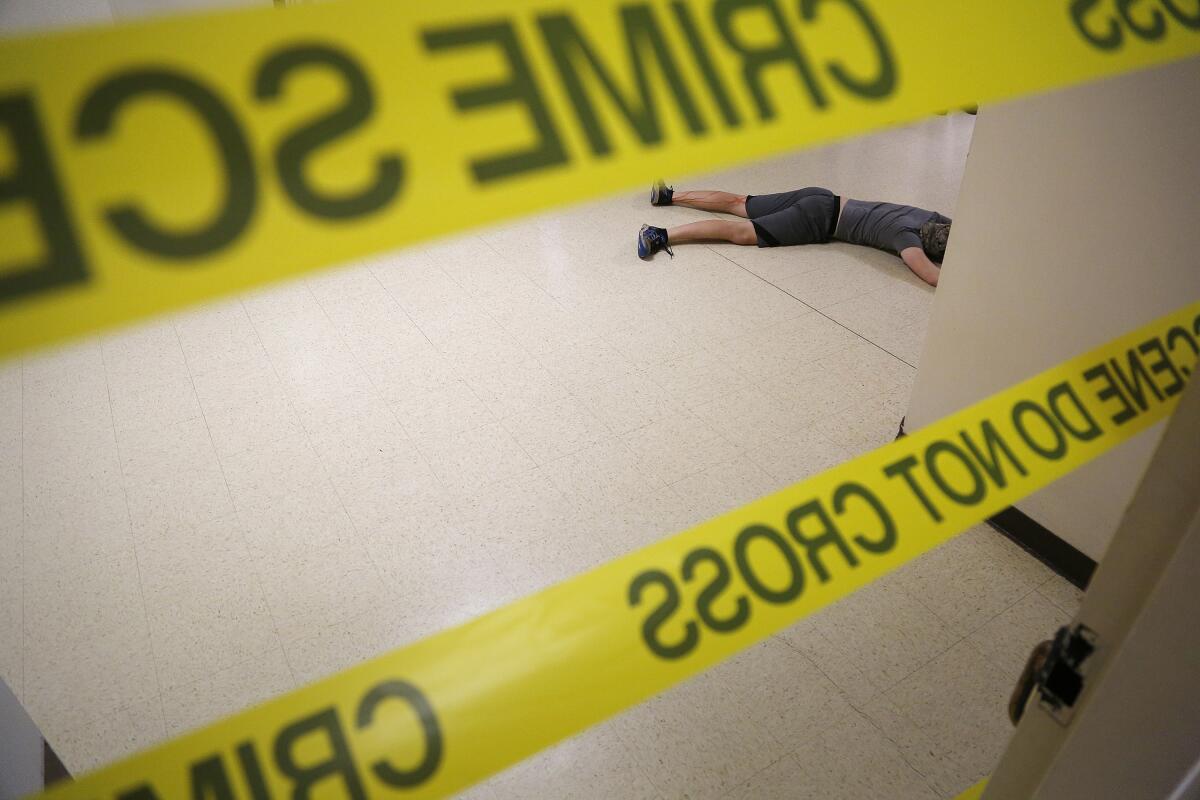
pixel 886 226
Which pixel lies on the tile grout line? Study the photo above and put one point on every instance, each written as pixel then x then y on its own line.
pixel 882 693
pixel 570 394
pixel 461 378
pixel 817 310
pixel 507 261
pixel 533 357
pixel 963 638
pixel 358 535
pixel 391 411
pixel 851 704
pixel 133 539
pixel 455 493
pixel 241 533
pixel 288 400
pixel 324 470
pixel 730 792
pixel 388 293
pixel 866 718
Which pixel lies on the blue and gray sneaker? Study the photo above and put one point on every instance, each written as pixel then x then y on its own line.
pixel 651 240
pixel 661 194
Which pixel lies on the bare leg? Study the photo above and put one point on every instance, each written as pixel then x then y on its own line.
pixel 712 200
pixel 713 230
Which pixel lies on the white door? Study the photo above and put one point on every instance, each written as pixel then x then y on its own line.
pixel 1134 730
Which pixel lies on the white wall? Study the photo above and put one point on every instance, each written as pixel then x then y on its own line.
pixel 1078 220
pixel 29 16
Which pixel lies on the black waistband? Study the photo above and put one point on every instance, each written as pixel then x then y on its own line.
pixel 837 212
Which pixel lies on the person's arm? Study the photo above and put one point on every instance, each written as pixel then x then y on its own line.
pixel 920 264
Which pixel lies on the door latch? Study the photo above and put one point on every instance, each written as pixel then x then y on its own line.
pixel 1061 678
pixel 1056 670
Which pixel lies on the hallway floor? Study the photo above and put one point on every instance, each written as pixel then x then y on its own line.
pixel 211 509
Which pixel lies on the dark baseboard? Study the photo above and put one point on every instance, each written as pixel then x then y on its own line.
pixel 1040 542
pixel 1044 545
pixel 53 770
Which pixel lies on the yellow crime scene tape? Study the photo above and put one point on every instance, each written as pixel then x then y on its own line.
pixel 975 792
pixel 151 165
pixel 434 717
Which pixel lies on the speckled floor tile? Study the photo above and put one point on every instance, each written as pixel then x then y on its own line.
pixel 868 642
pixel 971 578
pixel 678 446
pixel 694 741
pixel 949 718
pixel 476 457
pixel 204 603
pixel 226 691
pixel 1008 638
pixel 1062 593
pixel 724 487
pixel 557 429
pixel 594 765
pixel 127 730
pixel 214 506
pixel 321 588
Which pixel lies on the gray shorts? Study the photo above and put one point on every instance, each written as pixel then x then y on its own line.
pixel 805 216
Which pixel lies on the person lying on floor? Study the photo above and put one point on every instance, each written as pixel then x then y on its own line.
pixel 805 216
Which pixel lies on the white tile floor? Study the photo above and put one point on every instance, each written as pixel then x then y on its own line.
pixel 210 509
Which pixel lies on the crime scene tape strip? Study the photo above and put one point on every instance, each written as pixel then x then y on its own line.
pixel 436 716
pixel 975 792
pixel 151 165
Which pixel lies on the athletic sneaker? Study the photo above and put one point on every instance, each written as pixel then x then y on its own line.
pixel 651 240
pixel 661 194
